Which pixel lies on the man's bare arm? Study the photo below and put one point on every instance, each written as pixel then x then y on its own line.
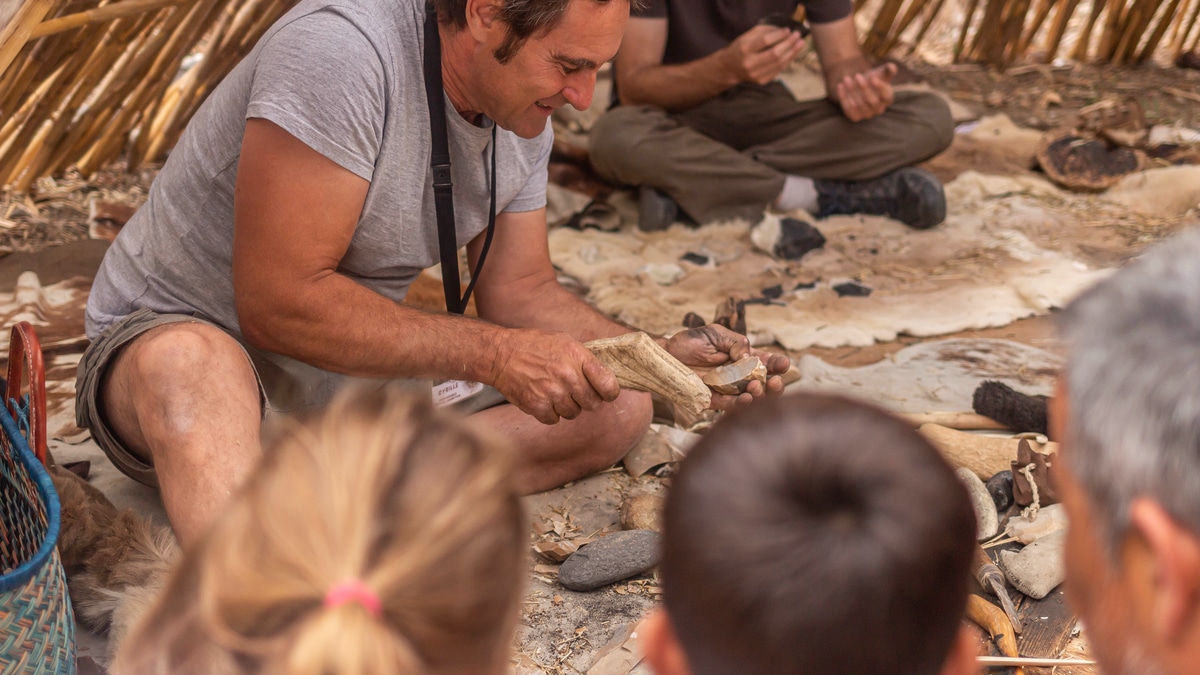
pixel 758 55
pixel 862 91
pixel 522 289
pixel 295 214
pixel 519 288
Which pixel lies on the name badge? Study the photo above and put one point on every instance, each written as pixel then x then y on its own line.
pixel 450 392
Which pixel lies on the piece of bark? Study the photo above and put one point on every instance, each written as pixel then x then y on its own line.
pixel 653 450
pixel 640 363
pixel 733 378
pixel 642 512
pixel 555 551
pixel 622 653
pixel 985 455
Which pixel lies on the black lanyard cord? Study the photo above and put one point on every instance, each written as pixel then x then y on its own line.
pixel 443 186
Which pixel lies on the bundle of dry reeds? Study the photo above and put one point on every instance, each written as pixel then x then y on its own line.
pixel 999 32
pixel 83 82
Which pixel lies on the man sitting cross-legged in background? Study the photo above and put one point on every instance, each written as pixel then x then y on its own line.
pixel 1128 415
pixel 813 534
pixel 704 126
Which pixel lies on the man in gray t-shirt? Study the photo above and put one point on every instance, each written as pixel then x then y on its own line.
pixel 270 259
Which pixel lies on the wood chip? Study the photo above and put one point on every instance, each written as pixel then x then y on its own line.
pixel 555 551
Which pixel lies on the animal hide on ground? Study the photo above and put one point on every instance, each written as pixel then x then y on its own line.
pixel 939 375
pixel 1011 247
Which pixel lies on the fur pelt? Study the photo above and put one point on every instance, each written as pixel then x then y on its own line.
pixel 116 561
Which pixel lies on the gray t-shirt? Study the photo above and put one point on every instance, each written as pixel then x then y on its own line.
pixel 345 77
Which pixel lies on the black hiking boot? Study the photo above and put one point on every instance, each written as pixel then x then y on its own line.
pixel 656 211
pixel 910 195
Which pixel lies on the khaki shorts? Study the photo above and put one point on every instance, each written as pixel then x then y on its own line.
pixel 285 386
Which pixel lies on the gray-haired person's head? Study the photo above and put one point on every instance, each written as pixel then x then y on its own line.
pixel 525 18
pixel 1133 378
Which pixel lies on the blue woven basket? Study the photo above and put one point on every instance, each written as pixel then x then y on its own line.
pixel 37 627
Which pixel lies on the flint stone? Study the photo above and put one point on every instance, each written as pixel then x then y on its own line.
pixel 796 238
pixel 618 556
pixel 852 289
pixel 1000 486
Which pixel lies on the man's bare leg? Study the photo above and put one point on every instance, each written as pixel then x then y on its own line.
pixel 553 454
pixel 185 395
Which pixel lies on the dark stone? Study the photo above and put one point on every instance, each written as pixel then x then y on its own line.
pixel 613 558
pixel 796 238
pixel 1000 487
pixel 695 258
pixel 1017 411
pixel 852 289
pixel 773 292
pixel 806 286
pixel 693 320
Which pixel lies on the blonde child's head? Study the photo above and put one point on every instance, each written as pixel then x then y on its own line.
pixel 379 537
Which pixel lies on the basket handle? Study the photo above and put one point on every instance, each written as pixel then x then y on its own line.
pixel 25 351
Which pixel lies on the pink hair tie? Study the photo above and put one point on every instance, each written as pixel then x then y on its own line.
pixel 354 590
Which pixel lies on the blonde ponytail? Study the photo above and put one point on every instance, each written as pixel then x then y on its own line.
pixel 382 490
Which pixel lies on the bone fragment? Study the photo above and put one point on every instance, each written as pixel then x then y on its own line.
pixel 733 378
pixel 953 420
pixel 984 455
pixel 640 363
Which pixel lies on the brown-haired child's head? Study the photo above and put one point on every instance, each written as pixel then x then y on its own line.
pixel 814 534
pixel 380 494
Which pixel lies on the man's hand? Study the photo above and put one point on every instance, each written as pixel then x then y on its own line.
pixel 551 376
pixel 707 347
pixel 865 94
pixel 760 54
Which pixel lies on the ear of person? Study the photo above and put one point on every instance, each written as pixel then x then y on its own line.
pixel 1170 558
pixel 483 20
pixel 663 651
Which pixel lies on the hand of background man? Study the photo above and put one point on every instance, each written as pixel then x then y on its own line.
pixel 551 376
pixel 760 54
pixel 707 347
pixel 865 94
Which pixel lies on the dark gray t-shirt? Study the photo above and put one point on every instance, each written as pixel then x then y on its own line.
pixel 697 28
pixel 344 77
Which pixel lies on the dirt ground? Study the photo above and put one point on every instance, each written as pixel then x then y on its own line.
pixel 562 631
